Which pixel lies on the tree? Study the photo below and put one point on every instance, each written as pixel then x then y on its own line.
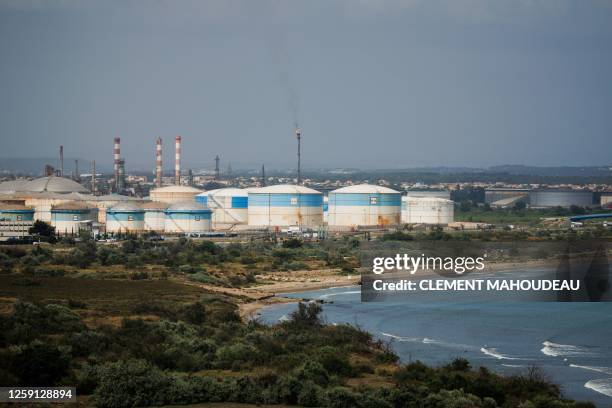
pixel 519 206
pixel 42 229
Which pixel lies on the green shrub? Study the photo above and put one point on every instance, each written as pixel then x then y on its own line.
pixel 131 383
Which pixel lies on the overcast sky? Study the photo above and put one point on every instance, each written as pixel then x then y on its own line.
pixel 372 83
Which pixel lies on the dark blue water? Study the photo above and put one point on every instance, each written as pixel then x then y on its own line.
pixel 571 342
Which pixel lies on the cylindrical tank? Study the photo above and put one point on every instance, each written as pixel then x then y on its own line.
pixel 325 209
pixel 445 194
pixel 427 210
pixel 125 217
pixel 285 205
pixel 174 194
pixel 154 216
pixel 560 198
pixel 188 217
pixel 229 206
pixel 364 205
pixel 68 218
pixel 16 212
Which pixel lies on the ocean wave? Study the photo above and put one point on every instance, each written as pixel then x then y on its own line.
pixel 493 352
pixel 564 350
pixel 400 338
pixel 328 295
pixel 602 386
pixel 514 365
pixel 603 370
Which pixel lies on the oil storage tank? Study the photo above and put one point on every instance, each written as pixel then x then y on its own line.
pixel 70 217
pixel 229 206
pixel 174 194
pixel 427 210
pixel 125 217
pixel 16 212
pixel 285 205
pixel 560 198
pixel 364 205
pixel 188 217
pixel 154 216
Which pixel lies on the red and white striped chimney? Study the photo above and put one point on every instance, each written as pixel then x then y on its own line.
pixel 158 162
pixel 116 156
pixel 177 163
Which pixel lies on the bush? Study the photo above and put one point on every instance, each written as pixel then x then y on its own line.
pixel 38 364
pixel 131 383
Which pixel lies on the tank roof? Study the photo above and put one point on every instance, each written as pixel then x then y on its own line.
pixel 365 189
pixel 188 206
pixel 176 189
pixel 284 189
pixel 54 184
pixel 13 186
pixel 71 206
pixel 14 207
pixel 426 199
pixel 154 205
pixel 125 206
pixel 225 192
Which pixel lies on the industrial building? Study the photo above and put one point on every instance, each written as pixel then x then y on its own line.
pixel 154 216
pixel 285 205
pixel 506 197
pixel 125 217
pixel 364 205
pixel 174 194
pixel 188 217
pixel 427 210
pixel 538 198
pixel 560 198
pixel 229 206
pixel 69 218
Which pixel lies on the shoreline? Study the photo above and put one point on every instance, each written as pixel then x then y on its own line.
pixel 307 281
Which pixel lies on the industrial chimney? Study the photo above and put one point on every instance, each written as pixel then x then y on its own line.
pixel 62 161
pixel 298 134
pixel 117 157
pixel 177 163
pixel 158 162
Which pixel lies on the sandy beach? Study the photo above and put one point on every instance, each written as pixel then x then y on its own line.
pixel 270 285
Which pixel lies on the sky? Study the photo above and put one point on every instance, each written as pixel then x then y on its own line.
pixel 372 83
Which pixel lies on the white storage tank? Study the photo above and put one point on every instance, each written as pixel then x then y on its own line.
pixel 188 217
pixel 364 205
pixel 427 210
pixel 154 216
pixel 229 206
pixel 125 217
pixel 285 205
pixel 68 218
pixel 174 194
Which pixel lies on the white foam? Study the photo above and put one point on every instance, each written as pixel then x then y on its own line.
pixel 493 352
pixel 603 370
pixel 514 365
pixel 283 318
pixel 602 386
pixel 400 338
pixel 563 350
pixel 328 295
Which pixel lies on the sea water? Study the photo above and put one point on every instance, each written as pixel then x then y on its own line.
pixel 570 342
